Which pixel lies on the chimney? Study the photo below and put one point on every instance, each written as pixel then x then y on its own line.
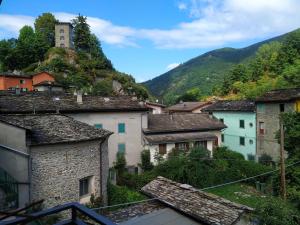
pixel 79 97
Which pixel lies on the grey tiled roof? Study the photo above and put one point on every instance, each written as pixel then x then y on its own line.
pixel 231 105
pixel 280 95
pixel 51 128
pixel 187 106
pixel 204 207
pixel 182 122
pixel 179 137
pixel 65 103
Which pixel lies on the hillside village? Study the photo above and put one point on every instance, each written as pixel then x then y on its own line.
pixel 101 140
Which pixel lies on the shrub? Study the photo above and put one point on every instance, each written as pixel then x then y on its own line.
pixel 146 164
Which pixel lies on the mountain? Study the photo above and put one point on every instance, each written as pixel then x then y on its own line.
pixel 204 71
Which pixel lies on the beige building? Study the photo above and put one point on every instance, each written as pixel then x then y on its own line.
pixel 182 132
pixel 64 35
pixel 53 157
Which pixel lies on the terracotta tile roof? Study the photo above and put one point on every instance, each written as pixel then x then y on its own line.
pixel 182 122
pixel 230 105
pixel 187 106
pixel 280 95
pixel 181 137
pixel 66 103
pixel 52 128
pixel 201 206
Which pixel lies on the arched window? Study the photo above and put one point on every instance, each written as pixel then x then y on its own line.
pixel 61 31
pixel 62 45
pixel 62 38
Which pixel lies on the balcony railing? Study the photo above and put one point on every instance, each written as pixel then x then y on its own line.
pixel 77 212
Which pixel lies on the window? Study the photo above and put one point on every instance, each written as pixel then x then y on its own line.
pixel 251 124
pixel 22 81
pixel 261 128
pixel 182 146
pixel 98 125
pixel 62 45
pixel 121 128
pixel 222 120
pixel 162 149
pixel 61 31
pixel 251 142
pixel 84 184
pixel 281 107
pixel 242 141
pixel 200 144
pixel 121 148
pixel 222 138
pixel 62 38
pixel 242 124
pixel 260 107
pixel 24 89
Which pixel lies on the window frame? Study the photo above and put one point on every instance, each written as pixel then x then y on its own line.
pixel 242 141
pixel 261 128
pixel 22 81
pixel 242 124
pixel 84 188
pixel 62 38
pixel 123 149
pixel 98 125
pixel 222 138
pixel 61 31
pixel 281 107
pixel 162 149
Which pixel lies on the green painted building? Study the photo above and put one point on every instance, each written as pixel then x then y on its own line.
pixel 240 119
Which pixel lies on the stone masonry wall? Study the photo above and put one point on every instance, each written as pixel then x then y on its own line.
pixel 57 169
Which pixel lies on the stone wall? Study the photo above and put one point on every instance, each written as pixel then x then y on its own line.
pixel 57 169
pixel 269 114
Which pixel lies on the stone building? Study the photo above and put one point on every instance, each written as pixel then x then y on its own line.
pixel 268 110
pixel 54 157
pixel 64 35
pixel 123 115
pixel 181 131
pixel 240 119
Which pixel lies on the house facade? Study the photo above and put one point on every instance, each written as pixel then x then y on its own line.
pixel 240 119
pixel 182 132
pixel 124 116
pixel 12 81
pixel 54 157
pixel 269 107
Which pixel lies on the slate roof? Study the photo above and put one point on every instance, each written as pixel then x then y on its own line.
pixel 181 137
pixel 182 122
pixel 280 95
pixel 201 206
pixel 231 105
pixel 187 106
pixel 155 104
pixel 53 128
pixel 46 102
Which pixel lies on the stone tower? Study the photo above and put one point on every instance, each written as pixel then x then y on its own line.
pixel 64 35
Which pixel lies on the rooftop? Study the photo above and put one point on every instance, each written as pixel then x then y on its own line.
pixel 280 95
pixel 21 75
pixel 66 103
pixel 53 128
pixel 187 106
pixel 185 122
pixel 48 83
pixel 155 104
pixel 181 137
pixel 201 206
pixel 230 105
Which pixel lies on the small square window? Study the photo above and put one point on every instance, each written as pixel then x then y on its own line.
pixel 98 125
pixel 261 128
pixel 61 31
pixel 84 184
pixel 22 81
pixel 242 141
pixel 121 128
pixel 281 107
pixel 121 148
pixel 222 138
pixel 222 120
pixel 62 38
pixel 260 107
pixel 242 124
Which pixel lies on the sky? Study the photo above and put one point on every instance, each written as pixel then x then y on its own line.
pixel 146 38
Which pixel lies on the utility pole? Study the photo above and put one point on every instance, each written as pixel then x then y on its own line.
pixel 282 163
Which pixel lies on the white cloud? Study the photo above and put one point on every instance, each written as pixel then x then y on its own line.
pixel 182 6
pixel 172 66
pixel 214 23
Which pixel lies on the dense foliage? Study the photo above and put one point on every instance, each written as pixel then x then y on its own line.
pixel 275 65
pixel 86 68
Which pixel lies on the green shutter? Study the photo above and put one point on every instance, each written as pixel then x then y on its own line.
pixel 121 128
pixel 121 148
pixel 98 126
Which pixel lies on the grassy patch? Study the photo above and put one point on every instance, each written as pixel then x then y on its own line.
pixel 241 193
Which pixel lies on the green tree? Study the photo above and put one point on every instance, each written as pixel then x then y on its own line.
pixel 45 27
pixel 292 73
pixel 146 164
pixel 193 94
pixel 103 88
pixel 82 34
pixel 6 52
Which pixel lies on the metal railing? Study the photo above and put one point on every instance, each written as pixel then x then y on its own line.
pixel 77 212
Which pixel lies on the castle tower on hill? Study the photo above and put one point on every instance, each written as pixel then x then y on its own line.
pixel 64 35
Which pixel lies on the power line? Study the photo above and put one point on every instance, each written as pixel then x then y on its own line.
pixel 203 189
